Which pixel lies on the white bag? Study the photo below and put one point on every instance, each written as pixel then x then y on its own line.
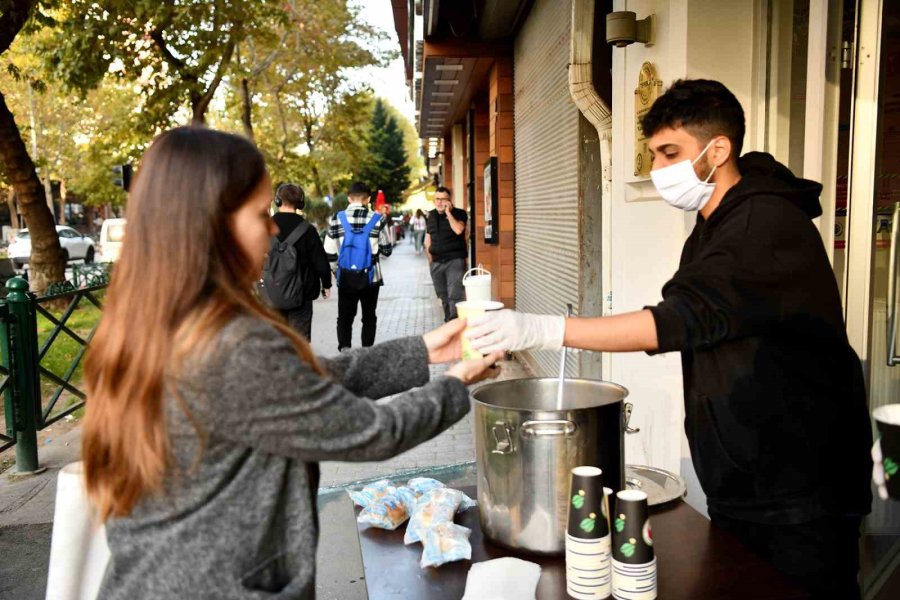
pixel 78 550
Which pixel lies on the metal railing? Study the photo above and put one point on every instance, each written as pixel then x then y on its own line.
pixel 31 391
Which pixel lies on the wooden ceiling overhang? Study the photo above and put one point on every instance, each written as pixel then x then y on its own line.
pixel 452 75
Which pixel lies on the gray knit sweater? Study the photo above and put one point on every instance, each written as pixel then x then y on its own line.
pixel 243 523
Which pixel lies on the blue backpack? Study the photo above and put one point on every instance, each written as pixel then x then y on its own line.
pixel 355 272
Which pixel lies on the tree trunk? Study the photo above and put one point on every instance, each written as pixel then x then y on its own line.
pixel 247 113
pixel 46 255
pixel 13 209
pixel 198 110
pixel 62 204
pixel 317 180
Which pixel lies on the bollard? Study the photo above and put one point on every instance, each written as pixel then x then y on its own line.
pixel 20 358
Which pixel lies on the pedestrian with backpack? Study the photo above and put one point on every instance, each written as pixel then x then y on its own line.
pixel 296 268
pixel 355 239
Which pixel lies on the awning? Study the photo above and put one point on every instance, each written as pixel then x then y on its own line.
pixel 452 74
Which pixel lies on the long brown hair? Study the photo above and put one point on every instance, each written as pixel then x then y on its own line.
pixel 180 278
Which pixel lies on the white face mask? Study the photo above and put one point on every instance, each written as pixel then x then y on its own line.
pixel 679 185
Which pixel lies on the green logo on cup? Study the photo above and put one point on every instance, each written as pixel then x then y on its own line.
pixel 578 499
pixel 620 523
pixel 588 524
pixel 628 548
pixel 890 468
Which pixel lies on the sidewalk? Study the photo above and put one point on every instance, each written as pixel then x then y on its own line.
pixel 406 306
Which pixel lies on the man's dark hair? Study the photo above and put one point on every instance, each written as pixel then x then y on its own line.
pixel 703 107
pixel 445 190
pixel 290 194
pixel 358 188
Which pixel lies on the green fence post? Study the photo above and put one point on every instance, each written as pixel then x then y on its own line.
pixel 20 354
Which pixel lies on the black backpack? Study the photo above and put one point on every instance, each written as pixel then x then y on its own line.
pixel 282 280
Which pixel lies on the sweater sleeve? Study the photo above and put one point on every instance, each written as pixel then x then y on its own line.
pixel 741 283
pixel 261 394
pixel 381 370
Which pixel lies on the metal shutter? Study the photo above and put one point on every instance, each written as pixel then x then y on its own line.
pixel 546 167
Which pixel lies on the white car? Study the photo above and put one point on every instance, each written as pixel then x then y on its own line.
pixel 112 234
pixel 74 246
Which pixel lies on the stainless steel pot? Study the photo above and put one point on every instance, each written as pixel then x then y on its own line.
pixel 525 449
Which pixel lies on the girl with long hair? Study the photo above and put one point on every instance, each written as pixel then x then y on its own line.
pixel 207 415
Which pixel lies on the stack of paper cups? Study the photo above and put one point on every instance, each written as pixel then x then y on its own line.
pixel 588 543
pixel 633 560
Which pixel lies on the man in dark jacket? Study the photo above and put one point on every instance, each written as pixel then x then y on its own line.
pixel 775 406
pixel 311 259
pixel 445 247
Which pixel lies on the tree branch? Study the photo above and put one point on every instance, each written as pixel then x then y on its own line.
pixel 206 98
pixel 177 63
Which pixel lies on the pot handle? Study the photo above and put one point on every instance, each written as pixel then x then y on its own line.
pixel 628 408
pixel 548 428
pixel 502 438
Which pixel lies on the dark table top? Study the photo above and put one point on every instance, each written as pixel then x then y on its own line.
pixel 695 561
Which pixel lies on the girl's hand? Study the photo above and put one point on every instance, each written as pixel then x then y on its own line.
pixel 443 343
pixel 473 371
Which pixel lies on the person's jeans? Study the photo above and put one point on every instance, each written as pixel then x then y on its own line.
pixel 347 302
pixel 418 240
pixel 821 555
pixel 300 319
pixel 447 277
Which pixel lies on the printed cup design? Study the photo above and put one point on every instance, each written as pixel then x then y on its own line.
pixel 588 542
pixel 887 418
pixel 632 537
pixel 634 581
pixel 587 519
pixel 588 572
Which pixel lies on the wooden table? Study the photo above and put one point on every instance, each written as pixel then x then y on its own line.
pixel 696 561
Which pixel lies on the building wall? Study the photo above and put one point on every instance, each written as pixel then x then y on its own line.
pixel 546 159
pixel 499 258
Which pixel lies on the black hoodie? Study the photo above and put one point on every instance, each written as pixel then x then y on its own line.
pixel 775 405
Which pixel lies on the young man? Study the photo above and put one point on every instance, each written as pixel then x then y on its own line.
pixel 358 217
pixel 775 408
pixel 311 259
pixel 445 246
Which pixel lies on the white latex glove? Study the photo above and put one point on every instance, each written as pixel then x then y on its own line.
pixel 878 470
pixel 514 331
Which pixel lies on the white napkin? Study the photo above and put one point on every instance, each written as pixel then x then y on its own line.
pixel 502 579
pixel 78 550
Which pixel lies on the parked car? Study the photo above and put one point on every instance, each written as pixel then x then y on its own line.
pixel 112 233
pixel 74 246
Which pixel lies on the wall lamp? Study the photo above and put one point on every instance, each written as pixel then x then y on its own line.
pixel 623 28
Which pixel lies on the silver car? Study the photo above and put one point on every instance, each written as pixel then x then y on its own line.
pixel 74 246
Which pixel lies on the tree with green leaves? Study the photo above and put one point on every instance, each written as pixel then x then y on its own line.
pixel 178 52
pixel 386 166
pixel 311 120
pixel 46 260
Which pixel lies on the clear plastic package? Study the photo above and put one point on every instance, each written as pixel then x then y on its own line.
pixel 445 542
pixel 388 512
pixel 423 485
pixel 437 506
pixel 372 492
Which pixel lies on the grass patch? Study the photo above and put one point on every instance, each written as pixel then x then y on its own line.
pixel 65 349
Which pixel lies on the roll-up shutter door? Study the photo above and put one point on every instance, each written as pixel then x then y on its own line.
pixel 546 167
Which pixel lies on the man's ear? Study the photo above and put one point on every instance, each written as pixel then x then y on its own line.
pixel 720 150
